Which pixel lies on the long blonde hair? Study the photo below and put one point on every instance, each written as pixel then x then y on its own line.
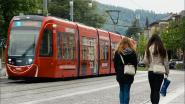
pixel 122 43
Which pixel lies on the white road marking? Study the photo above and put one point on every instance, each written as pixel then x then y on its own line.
pixel 171 96
pixel 77 93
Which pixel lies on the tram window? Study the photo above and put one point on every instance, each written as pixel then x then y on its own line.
pixel 71 46
pixel 59 45
pixel 113 46
pixel 68 46
pixel 84 48
pixel 104 52
pixel 65 47
pixel 91 49
pixel 46 46
pixel 88 48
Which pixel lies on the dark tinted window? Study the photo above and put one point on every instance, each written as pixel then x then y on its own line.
pixel 46 46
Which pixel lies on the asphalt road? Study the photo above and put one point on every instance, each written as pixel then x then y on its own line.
pixel 98 90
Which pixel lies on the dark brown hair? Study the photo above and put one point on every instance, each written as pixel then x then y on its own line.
pixel 159 48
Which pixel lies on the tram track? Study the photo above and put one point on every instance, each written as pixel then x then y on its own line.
pixel 51 88
pixel 57 87
pixel 41 85
pixel 98 89
pixel 18 83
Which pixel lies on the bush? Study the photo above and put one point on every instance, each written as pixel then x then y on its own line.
pixel 179 66
pixel 141 68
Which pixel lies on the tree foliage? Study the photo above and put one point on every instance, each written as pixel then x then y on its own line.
pixel 60 8
pixel 173 37
pixel 127 16
pixel 141 45
pixel 82 12
pixel 10 8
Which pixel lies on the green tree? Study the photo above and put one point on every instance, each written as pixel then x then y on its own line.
pixel 134 30
pixel 82 12
pixel 141 46
pixel 10 8
pixel 173 37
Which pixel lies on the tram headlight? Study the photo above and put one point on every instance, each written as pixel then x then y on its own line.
pixel 9 61
pixel 30 61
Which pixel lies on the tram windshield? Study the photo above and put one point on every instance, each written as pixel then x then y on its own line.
pixel 23 38
pixel 22 42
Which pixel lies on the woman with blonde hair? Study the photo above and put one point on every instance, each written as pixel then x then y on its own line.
pixel 125 55
pixel 156 58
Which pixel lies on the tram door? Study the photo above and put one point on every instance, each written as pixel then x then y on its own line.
pixel 91 56
pixel 88 56
pixel 46 53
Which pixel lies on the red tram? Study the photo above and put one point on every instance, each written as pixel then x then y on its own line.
pixel 48 47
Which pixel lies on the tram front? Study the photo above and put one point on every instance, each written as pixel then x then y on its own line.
pixel 22 41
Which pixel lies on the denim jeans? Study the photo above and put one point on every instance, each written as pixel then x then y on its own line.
pixel 124 93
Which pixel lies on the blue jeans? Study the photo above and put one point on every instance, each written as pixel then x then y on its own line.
pixel 124 94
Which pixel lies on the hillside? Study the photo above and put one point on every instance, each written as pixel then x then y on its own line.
pixel 126 17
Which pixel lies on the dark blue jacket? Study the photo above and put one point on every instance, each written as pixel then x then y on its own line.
pixel 129 56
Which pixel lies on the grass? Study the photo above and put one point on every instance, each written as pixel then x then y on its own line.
pixel 179 66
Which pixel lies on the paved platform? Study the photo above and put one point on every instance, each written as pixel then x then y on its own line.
pixel 178 100
pixel 3 72
pixel 174 97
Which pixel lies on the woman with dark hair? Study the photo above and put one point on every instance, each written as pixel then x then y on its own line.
pixel 125 54
pixel 156 59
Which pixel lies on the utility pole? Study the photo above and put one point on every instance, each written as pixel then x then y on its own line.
pixel 184 4
pixel 71 9
pixel 45 7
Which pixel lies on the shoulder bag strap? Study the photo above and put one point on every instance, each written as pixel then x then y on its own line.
pixel 122 59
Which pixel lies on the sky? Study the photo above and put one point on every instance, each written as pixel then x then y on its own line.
pixel 158 6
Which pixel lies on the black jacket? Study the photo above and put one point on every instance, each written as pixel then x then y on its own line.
pixel 129 56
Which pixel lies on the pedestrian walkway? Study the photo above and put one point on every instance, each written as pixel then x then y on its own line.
pixel 2 72
pixel 176 97
pixel 178 100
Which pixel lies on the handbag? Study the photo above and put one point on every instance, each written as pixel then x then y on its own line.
pixel 128 69
pixel 166 83
pixel 159 69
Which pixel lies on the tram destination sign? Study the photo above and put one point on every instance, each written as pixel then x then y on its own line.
pixel 27 23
